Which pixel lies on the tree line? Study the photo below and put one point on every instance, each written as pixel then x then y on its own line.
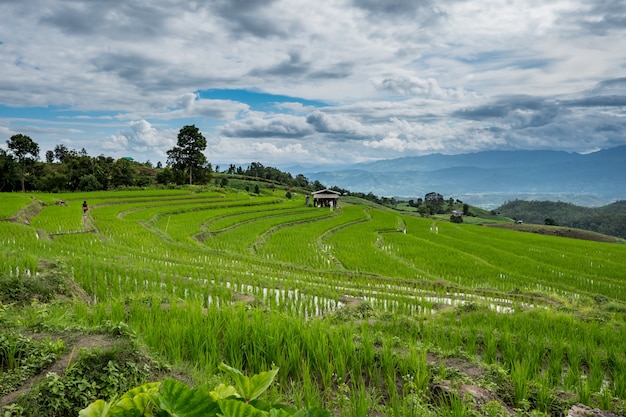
pixel 67 169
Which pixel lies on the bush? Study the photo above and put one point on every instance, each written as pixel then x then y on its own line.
pixel 95 374
pixel 89 183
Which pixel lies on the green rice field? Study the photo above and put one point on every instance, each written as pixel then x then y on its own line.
pixel 366 311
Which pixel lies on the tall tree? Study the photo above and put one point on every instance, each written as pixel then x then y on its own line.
pixel 187 155
pixel 8 172
pixel 25 151
pixel 60 152
pixel 434 201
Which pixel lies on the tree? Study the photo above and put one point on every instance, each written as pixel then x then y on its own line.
pixel 423 210
pixel 22 146
pixel 122 173
pixel 317 186
pixel 60 152
pixel 89 183
pixel 187 155
pixel 49 157
pixel 8 172
pixel 434 201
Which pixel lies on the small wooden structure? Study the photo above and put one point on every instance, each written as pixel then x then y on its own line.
pixel 326 198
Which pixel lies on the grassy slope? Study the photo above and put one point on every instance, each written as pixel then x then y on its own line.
pixel 150 258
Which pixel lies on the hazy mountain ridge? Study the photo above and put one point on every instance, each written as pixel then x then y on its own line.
pixel 489 178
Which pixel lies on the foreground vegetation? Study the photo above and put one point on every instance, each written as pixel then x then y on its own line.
pixel 364 310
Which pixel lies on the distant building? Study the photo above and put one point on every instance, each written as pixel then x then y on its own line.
pixel 325 198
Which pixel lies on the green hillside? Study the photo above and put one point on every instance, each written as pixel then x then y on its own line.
pixel 365 310
pixel 608 220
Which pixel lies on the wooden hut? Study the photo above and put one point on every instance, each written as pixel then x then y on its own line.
pixel 326 198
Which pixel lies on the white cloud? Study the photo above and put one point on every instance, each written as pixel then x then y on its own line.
pixel 146 135
pixel 393 76
pixel 270 126
pixel 115 143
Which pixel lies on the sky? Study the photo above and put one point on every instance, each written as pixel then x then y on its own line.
pixel 326 82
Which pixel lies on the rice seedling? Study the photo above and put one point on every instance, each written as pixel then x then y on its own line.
pixel 345 303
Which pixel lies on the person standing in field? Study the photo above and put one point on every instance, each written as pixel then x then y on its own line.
pixel 85 207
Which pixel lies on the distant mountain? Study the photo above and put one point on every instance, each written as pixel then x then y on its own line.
pixel 490 178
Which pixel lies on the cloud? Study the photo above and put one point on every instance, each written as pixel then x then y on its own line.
pixel 613 86
pixel 251 17
pixel 95 17
pixel 336 124
pixel 516 111
pixel 140 140
pixel 329 81
pixel 408 85
pixel 115 143
pixel 190 105
pixel 426 12
pixel 604 17
pixel 257 125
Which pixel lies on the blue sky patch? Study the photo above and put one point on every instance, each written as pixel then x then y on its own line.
pixel 257 100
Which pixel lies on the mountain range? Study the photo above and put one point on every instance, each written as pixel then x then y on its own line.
pixel 490 178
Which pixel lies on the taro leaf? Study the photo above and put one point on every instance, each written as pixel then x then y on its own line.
pixel 101 408
pixel 140 402
pixel 224 391
pixel 138 398
pixel 98 408
pixel 179 400
pixel 150 388
pixel 132 403
pixel 236 408
pixel 250 388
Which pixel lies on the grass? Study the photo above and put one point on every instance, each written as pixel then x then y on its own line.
pixel 360 316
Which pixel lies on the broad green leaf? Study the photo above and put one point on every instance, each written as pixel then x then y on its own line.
pixel 179 400
pixel 137 398
pixel 250 388
pixel 223 391
pixel 98 408
pixel 133 400
pixel 236 408
pixel 149 387
pixel 101 408
pixel 140 402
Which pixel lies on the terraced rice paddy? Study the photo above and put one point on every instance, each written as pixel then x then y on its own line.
pixel 352 304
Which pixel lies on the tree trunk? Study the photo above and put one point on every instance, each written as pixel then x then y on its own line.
pixel 22 175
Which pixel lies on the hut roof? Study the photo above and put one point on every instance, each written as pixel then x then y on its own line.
pixel 326 192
